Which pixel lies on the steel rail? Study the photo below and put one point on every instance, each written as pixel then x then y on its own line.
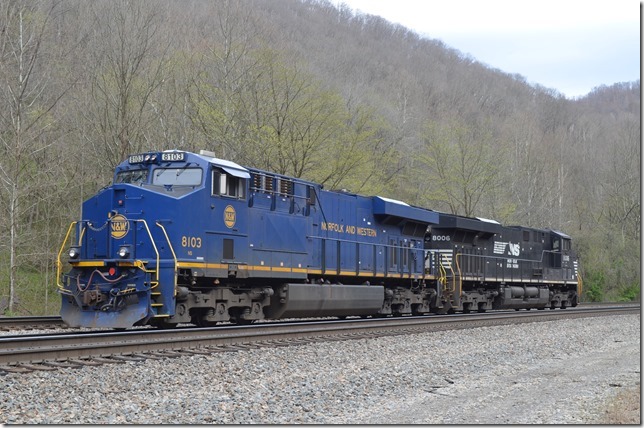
pixel 61 347
pixel 10 323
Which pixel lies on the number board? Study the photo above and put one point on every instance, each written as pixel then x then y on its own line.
pixel 136 158
pixel 172 157
pixel 151 157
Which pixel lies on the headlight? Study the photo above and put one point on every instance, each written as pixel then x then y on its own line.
pixel 74 252
pixel 124 252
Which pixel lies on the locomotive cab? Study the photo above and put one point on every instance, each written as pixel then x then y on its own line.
pixel 165 213
pixel 563 260
pixel 560 249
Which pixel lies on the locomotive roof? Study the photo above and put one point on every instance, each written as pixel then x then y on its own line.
pixel 230 167
pixel 397 209
pixel 561 234
pixel 234 168
pixel 453 221
pixel 555 232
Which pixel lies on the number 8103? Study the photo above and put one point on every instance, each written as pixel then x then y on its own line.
pixel 190 242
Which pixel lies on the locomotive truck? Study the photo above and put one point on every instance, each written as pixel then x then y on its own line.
pixel 181 237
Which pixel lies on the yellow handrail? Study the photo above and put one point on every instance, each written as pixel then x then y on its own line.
pixel 453 279
pixel 60 252
pixel 443 274
pixel 154 245
pixel 460 276
pixel 80 237
pixel 174 255
pixel 138 263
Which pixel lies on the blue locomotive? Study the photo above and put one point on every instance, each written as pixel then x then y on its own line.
pixel 181 237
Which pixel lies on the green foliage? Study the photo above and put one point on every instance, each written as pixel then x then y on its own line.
pixel 35 291
pixel 610 267
pixel 630 293
pixel 594 285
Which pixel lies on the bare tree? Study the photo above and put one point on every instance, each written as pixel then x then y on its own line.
pixel 622 182
pixel 222 89
pixel 28 124
pixel 127 68
pixel 461 165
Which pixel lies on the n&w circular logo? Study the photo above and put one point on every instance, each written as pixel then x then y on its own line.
pixel 119 226
pixel 230 216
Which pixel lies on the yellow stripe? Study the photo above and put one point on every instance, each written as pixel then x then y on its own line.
pixel 202 265
pixel 280 269
pixel 259 268
pixel 128 264
pixel 347 273
pixel 88 264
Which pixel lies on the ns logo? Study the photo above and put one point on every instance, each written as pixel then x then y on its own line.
pixel 514 249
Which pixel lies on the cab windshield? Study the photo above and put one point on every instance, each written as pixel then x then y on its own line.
pixel 177 176
pixel 137 177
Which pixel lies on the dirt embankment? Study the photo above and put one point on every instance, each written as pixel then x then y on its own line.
pixel 624 408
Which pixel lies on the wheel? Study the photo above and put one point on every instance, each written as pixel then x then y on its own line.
pixel 467 308
pixel 165 325
pixel 200 322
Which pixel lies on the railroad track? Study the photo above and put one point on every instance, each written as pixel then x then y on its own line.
pixel 30 323
pixel 22 323
pixel 27 353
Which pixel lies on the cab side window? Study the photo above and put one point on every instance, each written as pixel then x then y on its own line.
pixel 224 184
pixel 565 244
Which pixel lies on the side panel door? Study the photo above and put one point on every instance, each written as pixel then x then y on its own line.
pixel 227 230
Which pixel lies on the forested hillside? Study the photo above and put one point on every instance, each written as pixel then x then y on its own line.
pixel 305 89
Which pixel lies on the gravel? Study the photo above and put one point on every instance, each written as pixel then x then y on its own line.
pixel 551 372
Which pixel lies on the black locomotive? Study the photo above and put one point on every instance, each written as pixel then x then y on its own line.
pixel 481 265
